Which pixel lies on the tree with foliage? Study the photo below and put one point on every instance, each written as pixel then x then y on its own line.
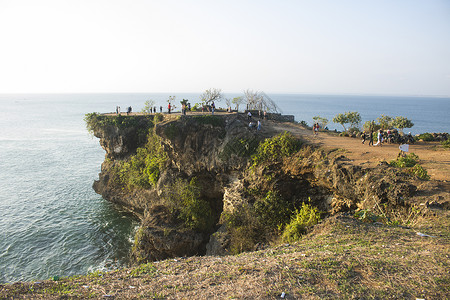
pixel 236 101
pixel 352 117
pixel 341 119
pixel 401 123
pixel 385 122
pixel 323 122
pixel 371 125
pixel 148 106
pixel 211 95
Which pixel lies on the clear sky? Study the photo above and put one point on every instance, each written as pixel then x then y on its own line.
pixel 392 47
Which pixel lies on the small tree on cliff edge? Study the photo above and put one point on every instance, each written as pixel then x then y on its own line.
pixel 211 95
pixel 352 117
pixel 401 123
pixel 236 101
pixel 148 106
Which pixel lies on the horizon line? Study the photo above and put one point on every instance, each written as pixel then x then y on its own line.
pixel 234 92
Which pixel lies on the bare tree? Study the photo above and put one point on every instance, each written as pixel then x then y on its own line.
pixel 211 95
pixel 260 101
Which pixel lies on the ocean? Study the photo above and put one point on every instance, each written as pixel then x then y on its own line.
pixel 52 223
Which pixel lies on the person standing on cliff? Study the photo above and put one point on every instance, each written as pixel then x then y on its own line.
pixel 168 108
pixel 371 134
pixel 380 138
pixel 213 107
pixel 363 136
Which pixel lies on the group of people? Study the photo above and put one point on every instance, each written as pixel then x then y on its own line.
pixel 380 138
pixel 315 129
pixel 129 109
pixel 252 124
pixel 387 136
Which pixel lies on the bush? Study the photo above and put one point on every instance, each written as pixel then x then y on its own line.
pixel 303 218
pixel 446 144
pixel 419 171
pixel 245 229
pixel 158 118
pixel 94 121
pixel 275 148
pixel 304 124
pixel 410 160
pixel 143 169
pixel 184 199
pixel 427 137
pixel 273 210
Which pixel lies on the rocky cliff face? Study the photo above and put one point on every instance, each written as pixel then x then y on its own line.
pixel 216 152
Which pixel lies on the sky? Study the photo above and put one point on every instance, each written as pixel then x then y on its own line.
pixel 377 47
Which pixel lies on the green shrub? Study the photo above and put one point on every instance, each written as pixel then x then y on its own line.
pixel 245 229
pixel 158 118
pixel 95 121
pixel 427 137
pixel 446 144
pixel 275 148
pixel 303 218
pixel 410 163
pixel 184 198
pixel 410 160
pixel 273 210
pixel 304 124
pixel 419 171
pixel 142 169
pixel 367 215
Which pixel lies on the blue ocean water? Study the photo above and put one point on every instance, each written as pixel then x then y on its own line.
pixel 53 223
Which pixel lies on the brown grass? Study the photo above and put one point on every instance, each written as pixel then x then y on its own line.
pixel 341 258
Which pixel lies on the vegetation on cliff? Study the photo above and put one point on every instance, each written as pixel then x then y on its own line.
pixel 183 199
pixel 142 170
pixel 95 121
pixel 275 148
pixel 409 163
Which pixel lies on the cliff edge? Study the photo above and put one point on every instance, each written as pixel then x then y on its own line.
pixel 206 184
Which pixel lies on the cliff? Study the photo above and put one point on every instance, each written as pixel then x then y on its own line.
pixel 200 186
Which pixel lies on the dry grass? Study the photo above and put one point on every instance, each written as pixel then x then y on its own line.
pixel 341 258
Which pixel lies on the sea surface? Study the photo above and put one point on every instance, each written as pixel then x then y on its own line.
pixel 52 223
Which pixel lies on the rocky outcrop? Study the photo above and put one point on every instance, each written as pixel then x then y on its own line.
pixel 216 151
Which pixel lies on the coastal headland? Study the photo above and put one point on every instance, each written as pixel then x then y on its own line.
pixel 223 207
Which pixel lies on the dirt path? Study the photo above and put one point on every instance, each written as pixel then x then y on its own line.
pixel 433 157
